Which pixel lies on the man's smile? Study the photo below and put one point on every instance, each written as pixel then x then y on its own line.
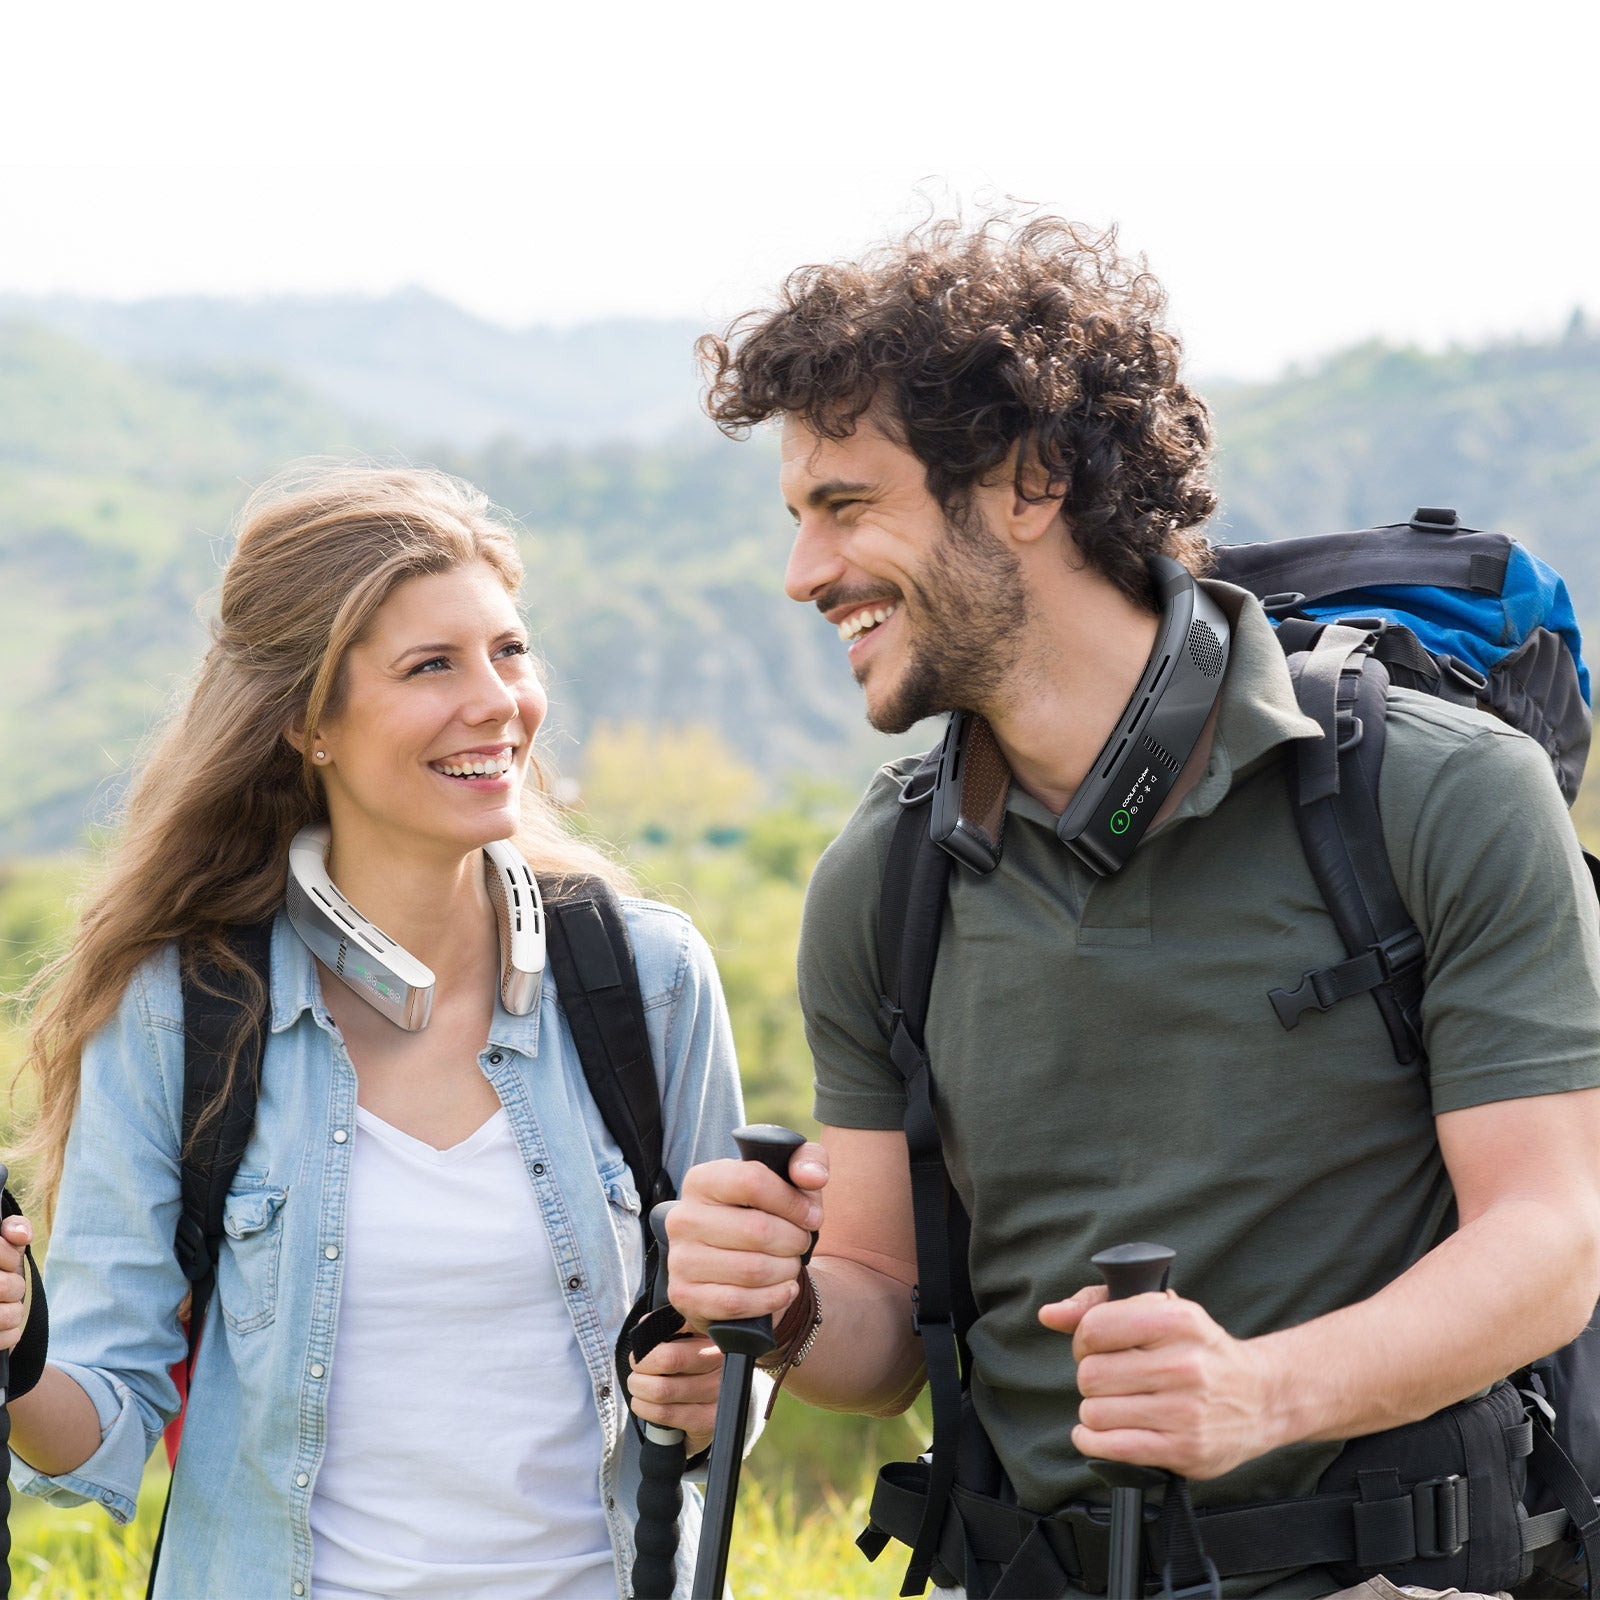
pixel 867 618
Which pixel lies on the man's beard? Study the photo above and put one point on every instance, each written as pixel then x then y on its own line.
pixel 969 606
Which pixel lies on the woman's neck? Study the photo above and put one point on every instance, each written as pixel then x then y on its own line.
pixel 435 905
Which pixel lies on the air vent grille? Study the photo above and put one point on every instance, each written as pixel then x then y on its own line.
pixel 1160 754
pixel 1205 648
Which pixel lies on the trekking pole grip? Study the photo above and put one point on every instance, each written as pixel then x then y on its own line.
pixel 661 1462
pixel 772 1146
pixel 5 1358
pixel 1131 1269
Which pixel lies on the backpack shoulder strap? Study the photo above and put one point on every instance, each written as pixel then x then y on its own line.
pixel 916 881
pixel 216 1005
pixel 220 1009
pixel 1334 787
pixel 591 959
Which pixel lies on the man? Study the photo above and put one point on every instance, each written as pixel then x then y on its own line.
pixel 985 439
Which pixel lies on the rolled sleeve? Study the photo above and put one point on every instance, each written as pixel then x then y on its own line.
pixel 124 1448
pixel 115 1285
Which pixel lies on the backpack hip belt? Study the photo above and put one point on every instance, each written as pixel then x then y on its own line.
pixel 1449 1515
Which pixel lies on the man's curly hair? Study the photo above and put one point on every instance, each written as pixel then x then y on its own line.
pixel 964 343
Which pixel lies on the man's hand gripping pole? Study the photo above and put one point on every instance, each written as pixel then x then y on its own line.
pixel 741 1343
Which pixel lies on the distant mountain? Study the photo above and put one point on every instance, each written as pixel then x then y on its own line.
pixel 654 571
pixel 414 365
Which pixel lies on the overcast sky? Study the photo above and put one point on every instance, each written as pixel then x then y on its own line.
pixel 1300 176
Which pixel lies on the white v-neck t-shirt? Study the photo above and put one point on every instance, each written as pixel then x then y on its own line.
pixel 454 1345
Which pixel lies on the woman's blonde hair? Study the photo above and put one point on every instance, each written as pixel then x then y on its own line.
pixel 205 841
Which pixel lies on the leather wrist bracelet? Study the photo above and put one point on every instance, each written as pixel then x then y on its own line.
pixel 796 1334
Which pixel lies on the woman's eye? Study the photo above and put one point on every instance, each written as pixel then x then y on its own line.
pixel 516 647
pixel 432 664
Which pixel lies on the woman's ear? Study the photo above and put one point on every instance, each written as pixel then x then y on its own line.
pixel 298 738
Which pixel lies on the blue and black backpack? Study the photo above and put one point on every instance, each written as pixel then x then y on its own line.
pixel 1498 1492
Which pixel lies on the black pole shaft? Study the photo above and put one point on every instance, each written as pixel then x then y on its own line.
pixel 741 1343
pixel 1129 1269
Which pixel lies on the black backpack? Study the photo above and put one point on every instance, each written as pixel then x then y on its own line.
pixel 1482 1496
pixel 590 957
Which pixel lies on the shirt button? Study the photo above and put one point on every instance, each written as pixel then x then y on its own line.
pixel 538 1169
pixel 339 1136
pixel 301 1479
pixel 106 1497
pixel 495 1058
pixel 317 1369
pixel 297 1588
pixel 574 1283
pixel 605 1391
pixel 331 1252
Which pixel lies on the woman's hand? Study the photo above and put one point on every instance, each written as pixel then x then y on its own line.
pixel 15 1233
pixel 675 1386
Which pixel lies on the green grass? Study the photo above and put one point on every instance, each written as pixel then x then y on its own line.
pixel 81 1554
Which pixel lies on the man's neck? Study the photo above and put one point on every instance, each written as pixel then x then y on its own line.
pixel 1088 646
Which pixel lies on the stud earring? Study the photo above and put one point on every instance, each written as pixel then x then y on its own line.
pixel 322 755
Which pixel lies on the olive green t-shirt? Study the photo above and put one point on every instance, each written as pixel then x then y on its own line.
pixel 1107 1065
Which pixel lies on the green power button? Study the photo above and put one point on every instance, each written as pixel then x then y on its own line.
pixel 1120 821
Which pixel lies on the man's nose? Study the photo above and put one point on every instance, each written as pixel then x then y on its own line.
pixel 814 562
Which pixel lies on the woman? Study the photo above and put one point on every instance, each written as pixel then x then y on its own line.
pixel 406 1381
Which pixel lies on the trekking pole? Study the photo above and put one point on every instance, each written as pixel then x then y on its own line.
pixel 741 1343
pixel 1130 1269
pixel 5 1452
pixel 661 1461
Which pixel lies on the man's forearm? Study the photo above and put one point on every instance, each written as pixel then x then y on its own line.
pixel 1510 1286
pixel 867 1357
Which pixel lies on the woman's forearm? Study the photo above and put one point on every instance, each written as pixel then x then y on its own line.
pixel 54 1427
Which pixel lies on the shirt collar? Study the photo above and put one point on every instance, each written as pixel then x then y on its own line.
pixel 296 989
pixel 1257 711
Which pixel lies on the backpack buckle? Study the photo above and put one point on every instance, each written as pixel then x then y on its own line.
pixel 192 1250
pixel 1208 1588
pixel 1440 1508
pixel 1435 519
pixel 1399 952
pixel 1463 676
pixel 920 1323
pixel 1287 604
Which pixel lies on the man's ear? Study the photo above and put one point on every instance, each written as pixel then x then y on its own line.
pixel 1035 504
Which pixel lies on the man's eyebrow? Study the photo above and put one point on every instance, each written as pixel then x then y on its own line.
pixel 833 489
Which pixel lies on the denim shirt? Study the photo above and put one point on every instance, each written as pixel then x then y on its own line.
pixel 257 1418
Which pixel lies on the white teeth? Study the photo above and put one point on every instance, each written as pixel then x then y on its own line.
pixel 476 766
pixel 853 627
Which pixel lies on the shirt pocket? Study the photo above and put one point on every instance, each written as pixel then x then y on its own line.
pixel 247 1268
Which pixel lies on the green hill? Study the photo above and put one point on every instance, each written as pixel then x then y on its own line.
pixel 654 571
